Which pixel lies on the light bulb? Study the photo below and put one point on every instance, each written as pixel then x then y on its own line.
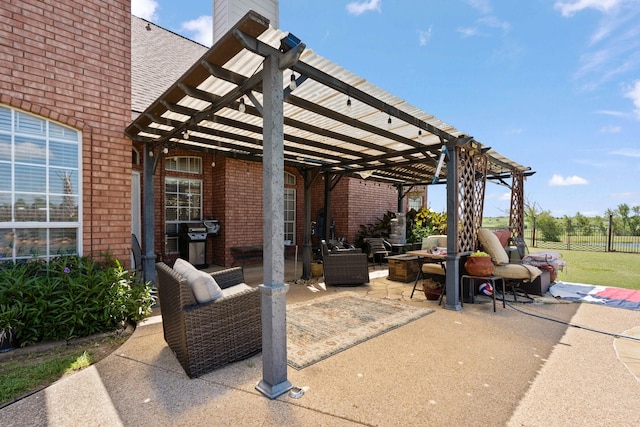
pixel 165 150
pixel 242 107
pixel 293 85
pixel 150 153
pixel 185 134
pixel 349 104
pixel 389 122
pixel 213 164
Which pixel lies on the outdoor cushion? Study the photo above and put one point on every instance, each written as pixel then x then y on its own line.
pixel 517 271
pixel 439 241
pixel 235 289
pixel 203 286
pixel 503 236
pixel 492 246
pixel 433 268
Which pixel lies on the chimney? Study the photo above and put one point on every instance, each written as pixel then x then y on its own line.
pixel 227 12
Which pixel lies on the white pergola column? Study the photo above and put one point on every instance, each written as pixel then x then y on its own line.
pixel 274 324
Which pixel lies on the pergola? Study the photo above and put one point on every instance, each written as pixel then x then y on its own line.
pixel 325 121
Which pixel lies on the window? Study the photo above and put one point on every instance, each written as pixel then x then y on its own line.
pixel 183 198
pixel 289 208
pixel 40 187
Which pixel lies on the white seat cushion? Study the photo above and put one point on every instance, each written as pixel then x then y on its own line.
pixel 203 286
pixel 491 245
pixel 517 271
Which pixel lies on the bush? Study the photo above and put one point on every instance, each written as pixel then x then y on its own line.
pixel 70 297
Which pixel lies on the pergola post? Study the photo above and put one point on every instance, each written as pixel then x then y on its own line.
pixel 307 250
pixel 274 327
pixel 148 255
pixel 452 302
pixel 516 212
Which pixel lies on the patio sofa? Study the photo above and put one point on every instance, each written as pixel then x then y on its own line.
pixel 207 335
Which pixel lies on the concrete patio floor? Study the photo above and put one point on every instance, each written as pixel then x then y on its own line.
pixel 471 367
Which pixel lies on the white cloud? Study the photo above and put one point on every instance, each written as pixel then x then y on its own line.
pixel 610 129
pixel 611 113
pixel 468 31
pixel 560 181
pixel 634 95
pixel 356 8
pixel 493 22
pixel 145 9
pixel 568 8
pixel 481 5
pixel 627 152
pixel 424 36
pixel 201 29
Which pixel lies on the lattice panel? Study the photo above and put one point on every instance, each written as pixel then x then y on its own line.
pixel 480 162
pixel 516 214
pixel 466 183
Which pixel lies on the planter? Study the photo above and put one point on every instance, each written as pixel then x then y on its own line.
pixel 431 289
pixel 316 269
pixel 479 266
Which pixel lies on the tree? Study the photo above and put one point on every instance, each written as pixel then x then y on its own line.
pixel 548 227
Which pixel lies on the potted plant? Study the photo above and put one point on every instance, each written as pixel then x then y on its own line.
pixel 8 322
pixel 479 264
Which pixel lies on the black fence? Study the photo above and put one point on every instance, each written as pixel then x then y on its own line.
pixel 592 238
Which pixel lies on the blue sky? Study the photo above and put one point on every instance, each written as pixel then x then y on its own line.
pixel 551 84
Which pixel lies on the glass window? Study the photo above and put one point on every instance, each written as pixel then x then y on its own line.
pixel 183 164
pixel 39 186
pixel 183 203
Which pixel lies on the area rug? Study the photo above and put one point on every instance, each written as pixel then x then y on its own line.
pixel 603 295
pixel 322 327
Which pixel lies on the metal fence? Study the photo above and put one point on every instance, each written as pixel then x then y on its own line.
pixel 592 238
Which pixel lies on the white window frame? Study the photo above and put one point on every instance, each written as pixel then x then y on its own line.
pixel 40 232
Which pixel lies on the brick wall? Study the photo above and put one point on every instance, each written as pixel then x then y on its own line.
pixel 69 61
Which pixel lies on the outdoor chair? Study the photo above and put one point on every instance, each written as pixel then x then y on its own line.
pixel 514 274
pixel 377 248
pixel 344 267
pixel 206 336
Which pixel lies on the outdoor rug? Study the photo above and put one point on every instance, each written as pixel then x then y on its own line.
pixel 322 327
pixel 603 295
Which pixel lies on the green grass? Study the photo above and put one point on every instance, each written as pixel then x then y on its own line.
pixel 18 377
pixel 621 270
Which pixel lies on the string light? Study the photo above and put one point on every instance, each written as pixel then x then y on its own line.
pixel 242 107
pixel 185 134
pixel 293 85
pixel 165 150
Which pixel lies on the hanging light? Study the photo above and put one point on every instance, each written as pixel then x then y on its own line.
pixel 242 107
pixel 419 133
pixel 150 153
pixel 185 134
pixel 293 85
pixel 165 150
pixel 348 104
pixel 389 122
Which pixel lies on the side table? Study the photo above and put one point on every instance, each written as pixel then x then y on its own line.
pixel 473 281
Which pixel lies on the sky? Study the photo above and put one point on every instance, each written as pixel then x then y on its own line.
pixel 551 84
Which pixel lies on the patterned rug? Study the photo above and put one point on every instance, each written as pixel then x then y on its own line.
pixel 322 327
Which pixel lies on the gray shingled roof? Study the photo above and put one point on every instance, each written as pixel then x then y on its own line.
pixel 158 58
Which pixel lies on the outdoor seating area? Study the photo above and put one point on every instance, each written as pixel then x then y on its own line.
pixel 344 267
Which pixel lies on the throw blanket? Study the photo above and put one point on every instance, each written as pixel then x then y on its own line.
pixel 605 295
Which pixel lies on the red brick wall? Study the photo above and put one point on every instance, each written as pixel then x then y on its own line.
pixel 69 61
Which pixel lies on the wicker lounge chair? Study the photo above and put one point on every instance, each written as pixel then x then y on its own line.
pixel 377 248
pixel 346 267
pixel 209 335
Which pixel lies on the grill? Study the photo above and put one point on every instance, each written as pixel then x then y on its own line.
pixel 192 243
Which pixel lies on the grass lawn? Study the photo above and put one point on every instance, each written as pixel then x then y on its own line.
pixel 621 270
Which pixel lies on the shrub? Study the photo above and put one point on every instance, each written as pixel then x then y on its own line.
pixel 70 297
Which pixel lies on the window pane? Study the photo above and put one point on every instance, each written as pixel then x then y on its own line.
pixel 63 181
pixel 30 207
pixel 63 208
pixel 5 208
pixel 31 242
pixel 30 178
pixel 5 176
pixel 63 241
pixel 5 119
pixel 5 147
pixel 30 150
pixel 27 123
pixel 63 154
pixel 62 132
pixel 6 243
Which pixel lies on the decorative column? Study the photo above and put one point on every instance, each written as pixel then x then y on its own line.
pixel 148 214
pixel 452 302
pixel 274 324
